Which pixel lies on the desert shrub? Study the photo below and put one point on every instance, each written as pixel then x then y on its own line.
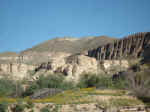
pixel 120 84
pixel 135 67
pixel 87 80
pixel 101 82
pixel 92 80
pixel 54 81
pixel 66 85
pixel 29 104
pixel 105 82
pixel 7 86
pixel 30 90
pixel 139 83
pixel 19 107
pixel 50 81
pixel 18 89
pixel 3 106
pixel 45 109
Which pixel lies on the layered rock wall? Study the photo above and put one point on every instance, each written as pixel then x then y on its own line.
pixel 132 46
pixel 16 70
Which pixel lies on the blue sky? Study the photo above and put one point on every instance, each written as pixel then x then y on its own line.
pixel 25 23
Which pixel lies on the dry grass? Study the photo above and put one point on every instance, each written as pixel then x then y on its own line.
pixel 86 96
pixel 72 45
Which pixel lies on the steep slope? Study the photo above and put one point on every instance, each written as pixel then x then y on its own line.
pixel 146 55
pixel 132 46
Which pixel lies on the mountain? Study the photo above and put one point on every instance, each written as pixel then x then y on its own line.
pixel 75 56
pixel 8 54
pixel 70 45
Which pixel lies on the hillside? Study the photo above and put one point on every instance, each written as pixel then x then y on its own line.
pixel 8 54
pixel 70 45
pixel 58 74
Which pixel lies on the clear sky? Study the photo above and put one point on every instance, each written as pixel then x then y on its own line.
pixel 24 23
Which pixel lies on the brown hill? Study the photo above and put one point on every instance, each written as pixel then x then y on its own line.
pixel 70 45
pixel 8 54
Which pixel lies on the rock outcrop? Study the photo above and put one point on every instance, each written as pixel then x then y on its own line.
pixel 16 70
pixel 106 59
pixel 90 107
pixel 73 66
pixel 131 46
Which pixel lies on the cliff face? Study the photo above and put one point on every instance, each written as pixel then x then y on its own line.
pixel 131 46
pixel 106 59
pixel 16 70
pixel 71 66
pixel 75 65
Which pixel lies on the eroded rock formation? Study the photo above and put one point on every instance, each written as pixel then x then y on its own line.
pixel 107 59
pixel 73 66
pixel 131 46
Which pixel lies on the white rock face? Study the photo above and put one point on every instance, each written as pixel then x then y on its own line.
pixel 115 64
pixel 18 71
pixel 56 63
pixel 83 64
pixel 71 66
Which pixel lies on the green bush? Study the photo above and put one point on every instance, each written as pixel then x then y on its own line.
pixel 139 83
pixel 88 80
pixel 66 85
pixel 120 84
pixel 3 106
pixel 105 82
pixel 101 82
pixel 7 87
pixel 45 109
pixel 53 81
pixel 30 104
pixel 30 90
pixel 19 107
pixel 50 81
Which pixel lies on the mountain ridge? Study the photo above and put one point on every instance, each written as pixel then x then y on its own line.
pixel 70 45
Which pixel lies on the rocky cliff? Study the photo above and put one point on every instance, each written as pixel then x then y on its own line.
pixel 106 59
pixel 70 65
pixel 131 46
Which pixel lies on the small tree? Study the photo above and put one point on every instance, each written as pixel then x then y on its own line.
pixel 99 81
pixel 139 83
pixel 7 86
pixel 88 80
